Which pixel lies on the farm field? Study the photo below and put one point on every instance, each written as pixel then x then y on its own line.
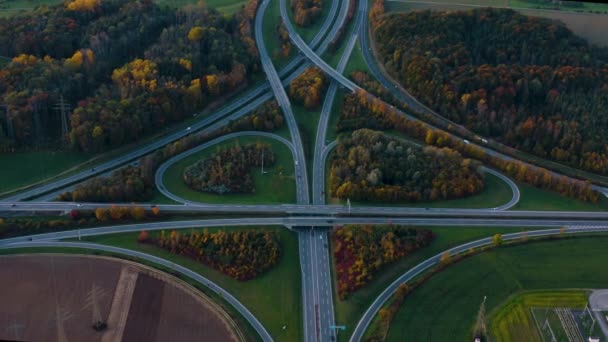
pixel 590 26
pixel 279 176
pixel 445 307
pixel 538 199
pixel 158 306
pixel 273 297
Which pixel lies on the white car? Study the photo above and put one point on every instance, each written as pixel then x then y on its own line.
pixel 296 162
pixel 189 128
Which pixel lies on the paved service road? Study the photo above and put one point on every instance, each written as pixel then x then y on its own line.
pixel 182 270
pixel 413 272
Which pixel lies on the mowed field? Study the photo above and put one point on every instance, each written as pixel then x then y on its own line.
pixel 56 297
pixel 590 26
pixel 445 307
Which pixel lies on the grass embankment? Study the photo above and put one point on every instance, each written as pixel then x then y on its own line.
pixel 538 199
pixel 23 168
pixel 445 307
pixel 356 62
pixel 276 185
pixel 274 297
pixel 272 18
pixel 242 323
pixel 513 320
pixel 349 311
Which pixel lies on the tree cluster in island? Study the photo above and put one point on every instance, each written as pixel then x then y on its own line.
pixel 528 82
pixel 362 109
pixel 242 255
pixel 361 251
pixel 369 166
pixel 308 88
pixel 229 170
pixel 306 12
pixel 124 69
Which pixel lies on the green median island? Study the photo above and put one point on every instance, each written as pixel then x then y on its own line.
pixel 528 288
pixel 246 170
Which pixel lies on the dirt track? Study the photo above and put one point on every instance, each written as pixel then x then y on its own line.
pixel 49 298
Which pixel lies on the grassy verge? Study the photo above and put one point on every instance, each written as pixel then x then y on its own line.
pixel 445 307
pixel 243 324
pixel 514 321
pixel 537 199
pixel 275 186
pixel 349 311
pixel 273 297
pixel 22 168
pixel 272 18
pixel 332 132
pixel 356 61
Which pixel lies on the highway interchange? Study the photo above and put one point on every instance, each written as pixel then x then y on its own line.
pixel 310 220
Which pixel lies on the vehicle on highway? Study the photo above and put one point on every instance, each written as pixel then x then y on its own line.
pixel 189 128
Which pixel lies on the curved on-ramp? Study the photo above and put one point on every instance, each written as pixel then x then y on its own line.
pixel 370 313
pixel 182 270
pixel 158 177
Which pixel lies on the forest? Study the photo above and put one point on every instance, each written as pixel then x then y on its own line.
pixel 362 109
pixel 362 251
pixel 267 117
pixel 369 166
pixel 308 88
pixel 527 82
pixel 229 170
pixel 242 255
pixel 306 12
pixel 117 70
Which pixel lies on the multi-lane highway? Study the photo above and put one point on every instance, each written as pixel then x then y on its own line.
pixel 414 271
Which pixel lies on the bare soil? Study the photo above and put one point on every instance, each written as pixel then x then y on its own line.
pixel 48 298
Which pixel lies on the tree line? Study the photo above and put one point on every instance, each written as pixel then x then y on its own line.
pixel 267 117
pixel 242 255
pixel 228 170
pixel 124 69
pixel 527 82
pixel 369 166
pixel 63 54
pixel 362 251
pixel 364 110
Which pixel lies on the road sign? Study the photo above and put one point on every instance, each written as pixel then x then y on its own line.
pixel 341 327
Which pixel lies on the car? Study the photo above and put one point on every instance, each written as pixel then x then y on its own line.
pixel 79 205
pixel 93 169
pixel 296 162
pixel 466 141
pixel 189 128
pixel 426 208
pixel 13 205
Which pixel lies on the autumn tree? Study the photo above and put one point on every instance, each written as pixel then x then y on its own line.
pixel 497 240
pixel 307 89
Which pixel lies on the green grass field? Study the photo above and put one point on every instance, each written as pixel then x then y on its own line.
pixel 23 168
pixel 538 199
pixel 274 297
pixel 279 176
pixel 356 62
pixel 445 308
pixel 351 309
pixel 308 121
pixel 513 320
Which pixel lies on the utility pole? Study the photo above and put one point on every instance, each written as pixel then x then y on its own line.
pixel 9 123
pixel 64 108
pixel 262 161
